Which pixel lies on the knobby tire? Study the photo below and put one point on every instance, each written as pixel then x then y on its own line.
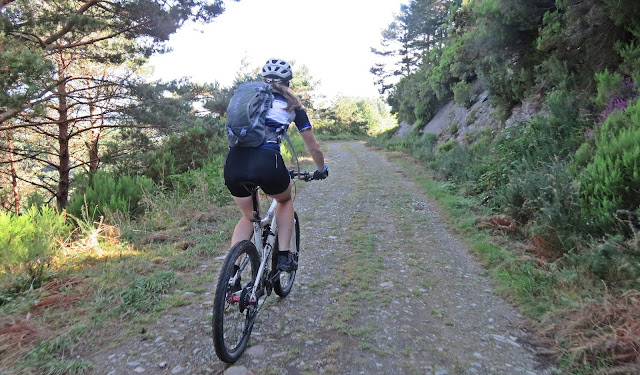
pixel 232 324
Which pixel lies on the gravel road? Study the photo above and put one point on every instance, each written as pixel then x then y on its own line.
pixel 383 288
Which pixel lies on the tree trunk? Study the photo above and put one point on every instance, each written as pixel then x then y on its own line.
pixel 92 144
pixel 94 158
pixel 14 177
pixel 62 194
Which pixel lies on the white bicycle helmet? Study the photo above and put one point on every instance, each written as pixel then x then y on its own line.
pixel 276 70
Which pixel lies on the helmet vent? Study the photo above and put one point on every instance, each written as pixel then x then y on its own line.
pixel 276 70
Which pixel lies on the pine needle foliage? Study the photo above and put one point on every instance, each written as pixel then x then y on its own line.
pixel 107 192
pixel 611 180
pixel 29 241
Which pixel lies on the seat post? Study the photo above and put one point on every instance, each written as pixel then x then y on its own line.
pixel 256 207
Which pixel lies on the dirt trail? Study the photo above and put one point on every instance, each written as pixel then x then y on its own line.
pixel 383 288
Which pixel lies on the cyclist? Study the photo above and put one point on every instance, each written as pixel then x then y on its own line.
pixel 264 166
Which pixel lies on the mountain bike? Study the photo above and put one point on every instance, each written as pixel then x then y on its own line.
pixel 248 276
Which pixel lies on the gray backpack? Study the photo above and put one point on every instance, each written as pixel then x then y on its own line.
pixel 246 114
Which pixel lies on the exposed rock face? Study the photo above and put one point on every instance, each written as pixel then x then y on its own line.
pixel 403 129
pixel 524 112
pixel 452 115
pixel 454 121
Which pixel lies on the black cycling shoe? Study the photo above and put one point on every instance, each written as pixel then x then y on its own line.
pixel 286 262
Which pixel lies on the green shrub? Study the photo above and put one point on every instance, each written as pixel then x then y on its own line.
pixel 420 146
pixel 556 135
pixel 462 93
pixel 611 180
pixel 608 84
pixel 412 101
pixel 36 199
pixel 182 152
pixel 482 159
pixel 542 197
pixel 28 241
pixel 616 261
pixel 447 146
pixel 544 139
pixel 507 86
pixel 395 144
pixel 466 164
pixel 423 149
pixel 558 216
pixel 519 196
pixel 554 74
pixel 630 54
pixel 157 155
pixel 384 138
pixel 453 160
pixel 298 146
pixel 583 155
pixel 208 180
pixel 108 192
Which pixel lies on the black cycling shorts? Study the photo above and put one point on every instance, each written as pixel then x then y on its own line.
pixel 258 166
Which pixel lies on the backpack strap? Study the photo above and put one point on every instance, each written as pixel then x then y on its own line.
pixel 267 102
pixel 292 148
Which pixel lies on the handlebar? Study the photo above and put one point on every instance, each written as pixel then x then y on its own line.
pixel 304 176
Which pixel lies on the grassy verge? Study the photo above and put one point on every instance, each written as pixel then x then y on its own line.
pixel 117 277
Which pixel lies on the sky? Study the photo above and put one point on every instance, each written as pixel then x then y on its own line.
pixel 333 38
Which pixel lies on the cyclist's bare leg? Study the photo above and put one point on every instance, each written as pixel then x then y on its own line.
pixel 284 217
pixel 244 228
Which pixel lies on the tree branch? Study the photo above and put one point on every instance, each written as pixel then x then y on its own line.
pixel 67 28
pixel 91 41
pixel 28 103
pixel 33 156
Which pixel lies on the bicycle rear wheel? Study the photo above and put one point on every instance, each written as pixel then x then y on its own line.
pixel 233 312
pixel 284 283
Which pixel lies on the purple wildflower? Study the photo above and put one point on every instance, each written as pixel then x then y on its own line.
pixel 619 100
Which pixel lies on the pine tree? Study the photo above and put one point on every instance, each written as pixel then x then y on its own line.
pixel 68 66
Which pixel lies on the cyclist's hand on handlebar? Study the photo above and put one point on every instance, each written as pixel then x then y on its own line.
pixel 321 174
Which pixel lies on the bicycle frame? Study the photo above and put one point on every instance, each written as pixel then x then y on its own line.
pixel 264 251
pixel 236 305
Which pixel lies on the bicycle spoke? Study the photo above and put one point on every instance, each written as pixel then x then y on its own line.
pixel 232 317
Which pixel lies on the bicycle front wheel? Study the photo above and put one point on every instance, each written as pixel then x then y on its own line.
pixel 284 283
pixel 233 311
